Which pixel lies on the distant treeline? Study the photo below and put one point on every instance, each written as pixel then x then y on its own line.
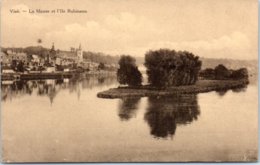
pixel 101 57
pixel 38 50
pixel 229 63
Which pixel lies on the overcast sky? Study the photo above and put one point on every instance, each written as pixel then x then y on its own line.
pixel 208 28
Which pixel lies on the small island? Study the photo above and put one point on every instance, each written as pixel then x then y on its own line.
pixel 171 73
pixel 201 86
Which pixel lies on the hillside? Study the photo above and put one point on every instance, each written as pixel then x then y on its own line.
pixel 98 57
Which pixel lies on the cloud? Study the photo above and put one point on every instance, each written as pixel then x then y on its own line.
pixel 113 33
pixel 235 41
pixel 124 33
pixel 235 45
pixel 128 34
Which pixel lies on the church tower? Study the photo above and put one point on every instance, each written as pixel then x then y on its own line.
pixel 79 54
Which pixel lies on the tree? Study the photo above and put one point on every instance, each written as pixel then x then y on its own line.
pixel 128 72
pixel 221 72
pixel 101 66
pixel 39 41
pixel 208 73
pixel 170 68
pixel 39 50
pixel 14 64
pixel 240 74
pixel 20 67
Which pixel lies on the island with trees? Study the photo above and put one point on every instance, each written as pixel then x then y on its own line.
pixel 172 72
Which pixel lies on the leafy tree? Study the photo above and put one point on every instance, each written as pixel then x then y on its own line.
pixel 20 67
pixel 208 73
pixel 101 66
pixel 240 74
pixel 170 68
pixel 39 41
pixel 128 72
pixel 14 64
pixel 221 72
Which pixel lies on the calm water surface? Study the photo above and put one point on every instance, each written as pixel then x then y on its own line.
pixel 63 120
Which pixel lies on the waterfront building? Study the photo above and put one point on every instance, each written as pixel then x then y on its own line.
pixel 4 59
pixel 12 55
pixel 50 69
pixel 6 69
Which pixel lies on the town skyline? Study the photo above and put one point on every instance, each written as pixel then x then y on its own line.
pixel 115 27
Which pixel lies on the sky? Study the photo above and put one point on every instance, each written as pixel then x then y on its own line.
pixel 208 28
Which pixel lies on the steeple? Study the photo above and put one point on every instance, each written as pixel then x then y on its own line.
pixel 79 54
pixel 53 48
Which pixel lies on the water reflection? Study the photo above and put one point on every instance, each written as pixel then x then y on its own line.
pixel 128 107
pixel 238 90
pixel 51 87
pixel 165 113
pixel 223 92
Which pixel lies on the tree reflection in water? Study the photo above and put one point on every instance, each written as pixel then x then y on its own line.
pixel 51 87
pixel 165 113
pixel 128 107
pixel 238 90
pixel 223 92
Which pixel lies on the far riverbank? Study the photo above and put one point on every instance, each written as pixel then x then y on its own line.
pixel 52 75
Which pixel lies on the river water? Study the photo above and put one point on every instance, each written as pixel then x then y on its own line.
pixel 64 121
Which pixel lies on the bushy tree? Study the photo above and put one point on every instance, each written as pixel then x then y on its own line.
pixel 221 72
pixel 128 72
pixel 20 67
pixel 14 64
pixel 101 66
pixel 240 74
pixel 208 73
pixel 170 68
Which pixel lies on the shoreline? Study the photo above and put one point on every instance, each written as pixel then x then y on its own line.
pixel 202 86
pixel 46 75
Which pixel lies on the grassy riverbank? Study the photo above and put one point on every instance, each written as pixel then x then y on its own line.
pixel 200 87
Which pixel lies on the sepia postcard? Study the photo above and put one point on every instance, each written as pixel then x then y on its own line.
pixel 129 81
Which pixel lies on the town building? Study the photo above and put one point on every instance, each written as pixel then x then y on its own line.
pixel 9 56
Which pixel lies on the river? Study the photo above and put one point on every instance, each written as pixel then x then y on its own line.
pixel 64 121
